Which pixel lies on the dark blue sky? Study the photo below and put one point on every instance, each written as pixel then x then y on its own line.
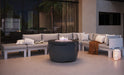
pixel 20 5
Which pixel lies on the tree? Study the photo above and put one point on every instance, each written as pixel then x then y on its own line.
pixel 52 7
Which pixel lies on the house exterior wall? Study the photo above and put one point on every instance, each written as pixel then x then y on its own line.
pixel 80 16
pixel 110 6
pixel 89 16
pixel 0 22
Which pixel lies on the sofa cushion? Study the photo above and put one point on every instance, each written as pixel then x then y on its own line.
pixel 85 42
pixel 47 37
pixel 35 37
pixel 103 46
pixel 68 35
pixel 13 46
pixel 38 45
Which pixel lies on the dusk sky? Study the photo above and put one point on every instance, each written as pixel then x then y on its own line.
pixel 20 5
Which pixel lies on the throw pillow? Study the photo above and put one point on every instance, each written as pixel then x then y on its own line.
pixel 85 37
pixel 96 34
pixel 90 36
pixel 79 36
pixel 20 42
pixel 100 38
pixel 75 36
pixel 29 41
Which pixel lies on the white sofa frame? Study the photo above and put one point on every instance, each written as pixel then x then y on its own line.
pixel 39 48
pixel 14 50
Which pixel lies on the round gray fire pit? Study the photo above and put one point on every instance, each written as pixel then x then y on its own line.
pixel 63 51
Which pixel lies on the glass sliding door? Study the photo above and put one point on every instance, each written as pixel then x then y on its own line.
pixel 70 17
pixel 29 17
pixel 19 17
pixel 67 20
pixel 59 16
pixel 11 21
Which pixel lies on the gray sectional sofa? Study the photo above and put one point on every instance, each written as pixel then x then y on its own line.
pixel 109 42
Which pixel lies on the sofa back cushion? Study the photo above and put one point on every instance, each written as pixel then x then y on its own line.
pixel 35 37
pixel 116 43
pixel 68 35
pixel 47 37
pixel 109 37
pixel 75 36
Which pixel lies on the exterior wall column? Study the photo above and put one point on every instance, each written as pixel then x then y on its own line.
pixel 89 16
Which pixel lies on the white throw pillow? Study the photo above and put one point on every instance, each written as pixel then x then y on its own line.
pixel 29 41
pixel 100 38
pixel 83 36
pixel 80 36
pixel 20 42
pixel 91 36
pixel 75 36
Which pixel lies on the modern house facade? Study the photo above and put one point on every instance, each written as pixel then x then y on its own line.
pixel 90 17
pixel 86 19
pixel 61 37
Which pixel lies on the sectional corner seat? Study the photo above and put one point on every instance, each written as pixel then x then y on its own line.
pixel 116 42
pixel 110 43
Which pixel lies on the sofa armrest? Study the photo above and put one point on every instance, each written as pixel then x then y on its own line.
pixel 115 43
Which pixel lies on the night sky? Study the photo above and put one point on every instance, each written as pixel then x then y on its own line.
pixel 21 5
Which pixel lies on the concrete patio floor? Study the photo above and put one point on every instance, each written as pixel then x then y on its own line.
pixel 86 64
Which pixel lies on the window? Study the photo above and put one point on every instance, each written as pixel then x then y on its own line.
pixel 28 17
pixel 109 18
